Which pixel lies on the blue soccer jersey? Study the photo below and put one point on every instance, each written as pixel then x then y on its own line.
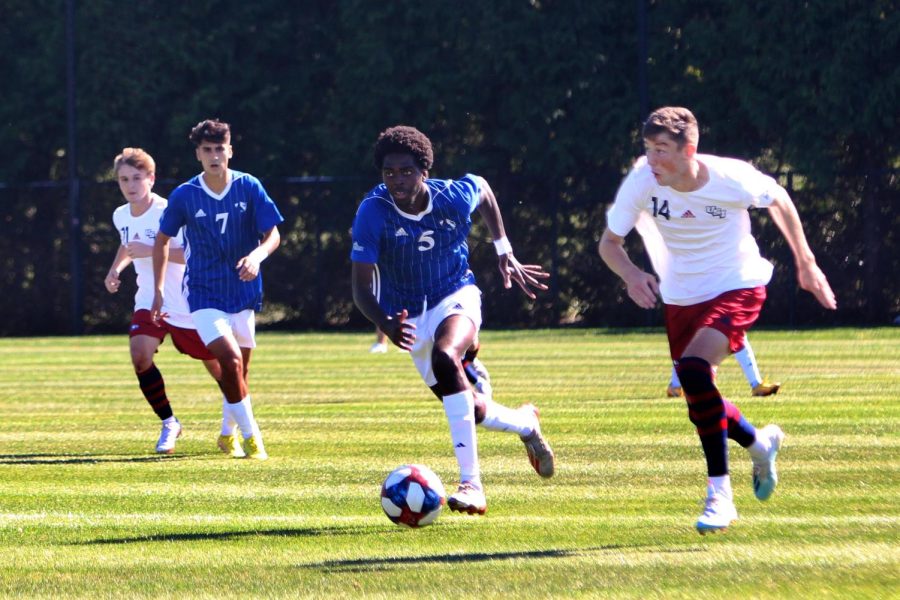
pixel 219 230
pixel 421 258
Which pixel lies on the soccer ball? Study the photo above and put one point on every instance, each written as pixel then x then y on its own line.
pixel 412 495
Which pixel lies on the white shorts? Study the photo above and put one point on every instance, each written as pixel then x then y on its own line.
pixel 465 301
pixel 212 324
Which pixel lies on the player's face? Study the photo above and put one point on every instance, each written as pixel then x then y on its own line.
pixel 669 163
pixel 214 156
pixel 135 184
pixel 404 179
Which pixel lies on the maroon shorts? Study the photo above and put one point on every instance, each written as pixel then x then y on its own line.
pixel 732 313
pixel 187 341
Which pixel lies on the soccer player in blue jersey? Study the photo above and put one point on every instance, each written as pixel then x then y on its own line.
pixel 413 230
pixel 230 227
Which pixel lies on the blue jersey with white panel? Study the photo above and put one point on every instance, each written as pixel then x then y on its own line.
pixel 219 230
pixel 421 258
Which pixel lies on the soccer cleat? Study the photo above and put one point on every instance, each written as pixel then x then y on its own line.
pixel 765 477
pixel 674 392
pixel 378 348
pixel 231 445
pixel 766 389
pixel 718 514
pixel 539 453
pixel 170 432
pixel 468 498
pixel 253 447
pixel 478 374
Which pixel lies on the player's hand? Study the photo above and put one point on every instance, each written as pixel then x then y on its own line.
pixel 138 250
pixel 812 279
pixel 525 276
pixel 112 282
pixel 643 288
pixel 399 331
pixel 248 268
pixel 156 313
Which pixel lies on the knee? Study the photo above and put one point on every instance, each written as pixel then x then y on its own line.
pixel 141 360
pixel 232 365
pixel 445 363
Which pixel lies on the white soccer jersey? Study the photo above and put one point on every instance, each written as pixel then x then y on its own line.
pixel 702 245
pixel 143 230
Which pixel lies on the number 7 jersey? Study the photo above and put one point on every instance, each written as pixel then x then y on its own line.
pixel 421 258
pixel 219 230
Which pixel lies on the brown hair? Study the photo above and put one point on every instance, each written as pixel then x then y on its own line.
pixel 210 130
pixel 679 123
pixel 134 157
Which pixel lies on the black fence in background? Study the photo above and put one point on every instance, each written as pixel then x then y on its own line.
pixel 854 230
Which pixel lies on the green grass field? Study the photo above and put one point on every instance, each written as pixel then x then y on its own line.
pixel 88 510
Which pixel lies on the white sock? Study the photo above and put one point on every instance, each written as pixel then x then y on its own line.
pixel 721 485
pixel 228 422
pixel 747 360
pixel 460 411
pixel 242 412
pixel 502 418
pixel 675 382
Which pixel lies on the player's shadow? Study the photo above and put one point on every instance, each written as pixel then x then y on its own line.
pixel 385 564
pixel 218 536
pixel 70 459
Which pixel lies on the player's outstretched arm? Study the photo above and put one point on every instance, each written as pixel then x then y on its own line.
pixel 809 275
pixel 119 263
pixel 401 333
pixel 527 277
pixel 642 287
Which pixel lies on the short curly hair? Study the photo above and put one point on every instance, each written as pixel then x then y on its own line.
pixel 210 130
pixel 403 139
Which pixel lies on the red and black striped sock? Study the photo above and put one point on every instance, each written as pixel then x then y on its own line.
pixel 154 389
pixel 706 410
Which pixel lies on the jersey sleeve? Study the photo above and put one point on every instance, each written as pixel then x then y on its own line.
pixel 173 217
pixel 626 209
pixel 470 187
pixel 267 214
pixel 763 189
pixel 366 242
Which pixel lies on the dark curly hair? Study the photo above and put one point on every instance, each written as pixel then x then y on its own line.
pixel 210 130
pixel 403 139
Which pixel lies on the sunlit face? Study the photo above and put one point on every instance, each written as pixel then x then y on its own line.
pixel 214 156
pixel 135 184
pixel 404 179
pixel 670 164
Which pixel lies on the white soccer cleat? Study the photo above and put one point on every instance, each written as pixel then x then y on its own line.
pixel 378 348
pixel 718 514
pixel 468 498
pixel 254 448
pixel 765 477
pixel 540 455
pixel 170 432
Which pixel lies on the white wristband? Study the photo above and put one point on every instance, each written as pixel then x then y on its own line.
pixel 502 246
pixel 259 254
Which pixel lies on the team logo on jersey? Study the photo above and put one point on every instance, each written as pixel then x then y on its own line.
pixel 200 213
pixel 242 206
pixel 150 234
pixel 448 223
pixel 715 211
pixel 400 232
pixel 357 247
pixel 688 215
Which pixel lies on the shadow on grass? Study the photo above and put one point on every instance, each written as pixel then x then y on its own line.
pixel 384 564
pixel 69 459
pixel 218 536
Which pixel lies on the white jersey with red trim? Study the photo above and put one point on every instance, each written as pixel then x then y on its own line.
pixel 142 229
pixel 699 242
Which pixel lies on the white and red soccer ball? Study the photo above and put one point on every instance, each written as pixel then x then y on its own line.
pixel 412 495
